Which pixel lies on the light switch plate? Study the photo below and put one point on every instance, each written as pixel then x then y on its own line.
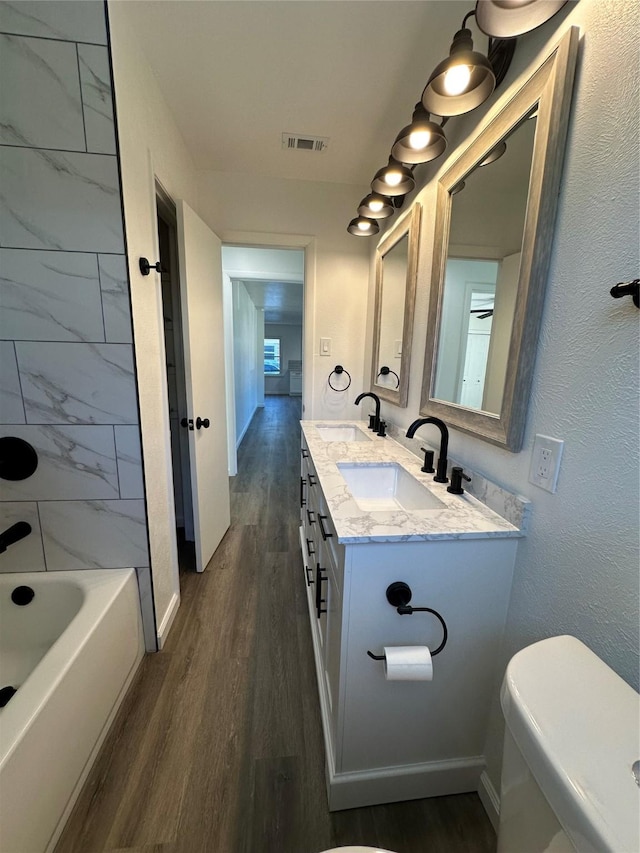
pixel 325 346
pixel 545 462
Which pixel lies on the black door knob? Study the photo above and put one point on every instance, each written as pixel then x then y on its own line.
pixel 200 422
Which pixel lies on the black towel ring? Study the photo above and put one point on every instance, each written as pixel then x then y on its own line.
pixel 339 369
pixel 385 371
pixel 627 288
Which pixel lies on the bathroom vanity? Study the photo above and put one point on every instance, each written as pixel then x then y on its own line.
pixel 369 518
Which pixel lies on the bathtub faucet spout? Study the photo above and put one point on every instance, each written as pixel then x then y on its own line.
pixel 13 534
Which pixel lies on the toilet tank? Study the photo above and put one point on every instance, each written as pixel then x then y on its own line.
pixel 572 737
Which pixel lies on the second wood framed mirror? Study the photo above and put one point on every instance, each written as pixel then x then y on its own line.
pixel 396 271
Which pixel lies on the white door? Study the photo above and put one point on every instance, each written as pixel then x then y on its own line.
pixel 203 334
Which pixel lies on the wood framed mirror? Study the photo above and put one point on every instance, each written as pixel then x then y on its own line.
pixel 495 214
pixel 396 271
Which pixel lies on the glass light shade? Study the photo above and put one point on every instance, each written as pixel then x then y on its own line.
pixel 376 206
pixel 400 182
pixel 505 19
pixel 361 226
pixel 420 141
pixel 461 82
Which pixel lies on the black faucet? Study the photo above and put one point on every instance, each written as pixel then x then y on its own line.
pixel 376 418
pixel 13 534
pixel 441 468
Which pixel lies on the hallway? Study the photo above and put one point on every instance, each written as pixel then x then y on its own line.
pixel 218 746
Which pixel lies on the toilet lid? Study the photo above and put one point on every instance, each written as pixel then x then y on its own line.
pixel 357 849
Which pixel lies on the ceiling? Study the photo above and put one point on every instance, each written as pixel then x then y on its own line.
pixel 238 73
pixel 281 301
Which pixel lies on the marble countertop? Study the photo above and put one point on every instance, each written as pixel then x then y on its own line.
pixel 461 517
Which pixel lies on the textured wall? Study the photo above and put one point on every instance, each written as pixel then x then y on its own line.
pixel 68 385
pixel 245 357
pixel 577 570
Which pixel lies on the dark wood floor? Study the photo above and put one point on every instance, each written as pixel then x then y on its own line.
pixel 218 746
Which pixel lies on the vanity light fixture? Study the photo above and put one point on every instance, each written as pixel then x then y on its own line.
pixel 361 226
pixel 394 179
pixel 420 141
pixel 376 206
pixel 506 19
pixel 495 154
pixel 462 81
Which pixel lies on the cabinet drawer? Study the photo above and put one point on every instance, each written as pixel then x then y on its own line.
pixel 327 531
pixel 307 546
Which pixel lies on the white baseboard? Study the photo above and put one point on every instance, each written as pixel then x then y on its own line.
pixel 167 619
pixel 245 428
pixel 410 782
pixel 490 799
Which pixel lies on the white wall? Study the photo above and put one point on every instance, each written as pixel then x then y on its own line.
pixel 290 350
pixel 150 143
pixel 245 358
pixel 241 203
pixel 577 570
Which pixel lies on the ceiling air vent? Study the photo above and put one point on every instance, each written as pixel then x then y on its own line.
pixel 304 142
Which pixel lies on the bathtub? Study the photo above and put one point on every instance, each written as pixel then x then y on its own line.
pixel 72 653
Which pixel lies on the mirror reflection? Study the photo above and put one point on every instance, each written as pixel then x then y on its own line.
pixel 394 279
pixel 481 274
pixel 396 271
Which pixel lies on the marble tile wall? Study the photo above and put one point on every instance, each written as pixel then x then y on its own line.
pixel 67 380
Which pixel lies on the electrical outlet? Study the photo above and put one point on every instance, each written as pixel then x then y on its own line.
pixel 545 462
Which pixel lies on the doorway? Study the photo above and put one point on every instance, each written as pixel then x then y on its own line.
pixel 176 384
pixel 264 289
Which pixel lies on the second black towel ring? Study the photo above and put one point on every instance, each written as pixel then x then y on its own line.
pixel 338 369
pixel 385 371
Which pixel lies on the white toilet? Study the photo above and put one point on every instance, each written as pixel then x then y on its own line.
pixel 357 849
pixel 571 741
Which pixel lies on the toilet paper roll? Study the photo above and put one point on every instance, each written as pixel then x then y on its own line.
pixel 408 663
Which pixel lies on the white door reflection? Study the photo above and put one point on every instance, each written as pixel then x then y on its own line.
pixel 465 330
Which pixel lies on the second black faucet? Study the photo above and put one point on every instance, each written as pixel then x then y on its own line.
pixel 441 468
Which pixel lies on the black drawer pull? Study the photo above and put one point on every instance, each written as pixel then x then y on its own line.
pixel 303 483
pixel 319 599
pixel 309 514
pixel 325 533
pixel 312 480
pixel 305 453
pixel 309 579
pixel 310 550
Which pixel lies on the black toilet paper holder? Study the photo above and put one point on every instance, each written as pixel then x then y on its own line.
pixel 399 596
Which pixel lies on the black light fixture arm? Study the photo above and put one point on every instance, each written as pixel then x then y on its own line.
pixel 470 14
pixel 499 53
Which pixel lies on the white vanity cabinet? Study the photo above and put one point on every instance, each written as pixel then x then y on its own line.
pixel 394 740
pixel 324 579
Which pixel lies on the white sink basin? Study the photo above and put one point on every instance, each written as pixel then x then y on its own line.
pixel 341 433
pixel 380 487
